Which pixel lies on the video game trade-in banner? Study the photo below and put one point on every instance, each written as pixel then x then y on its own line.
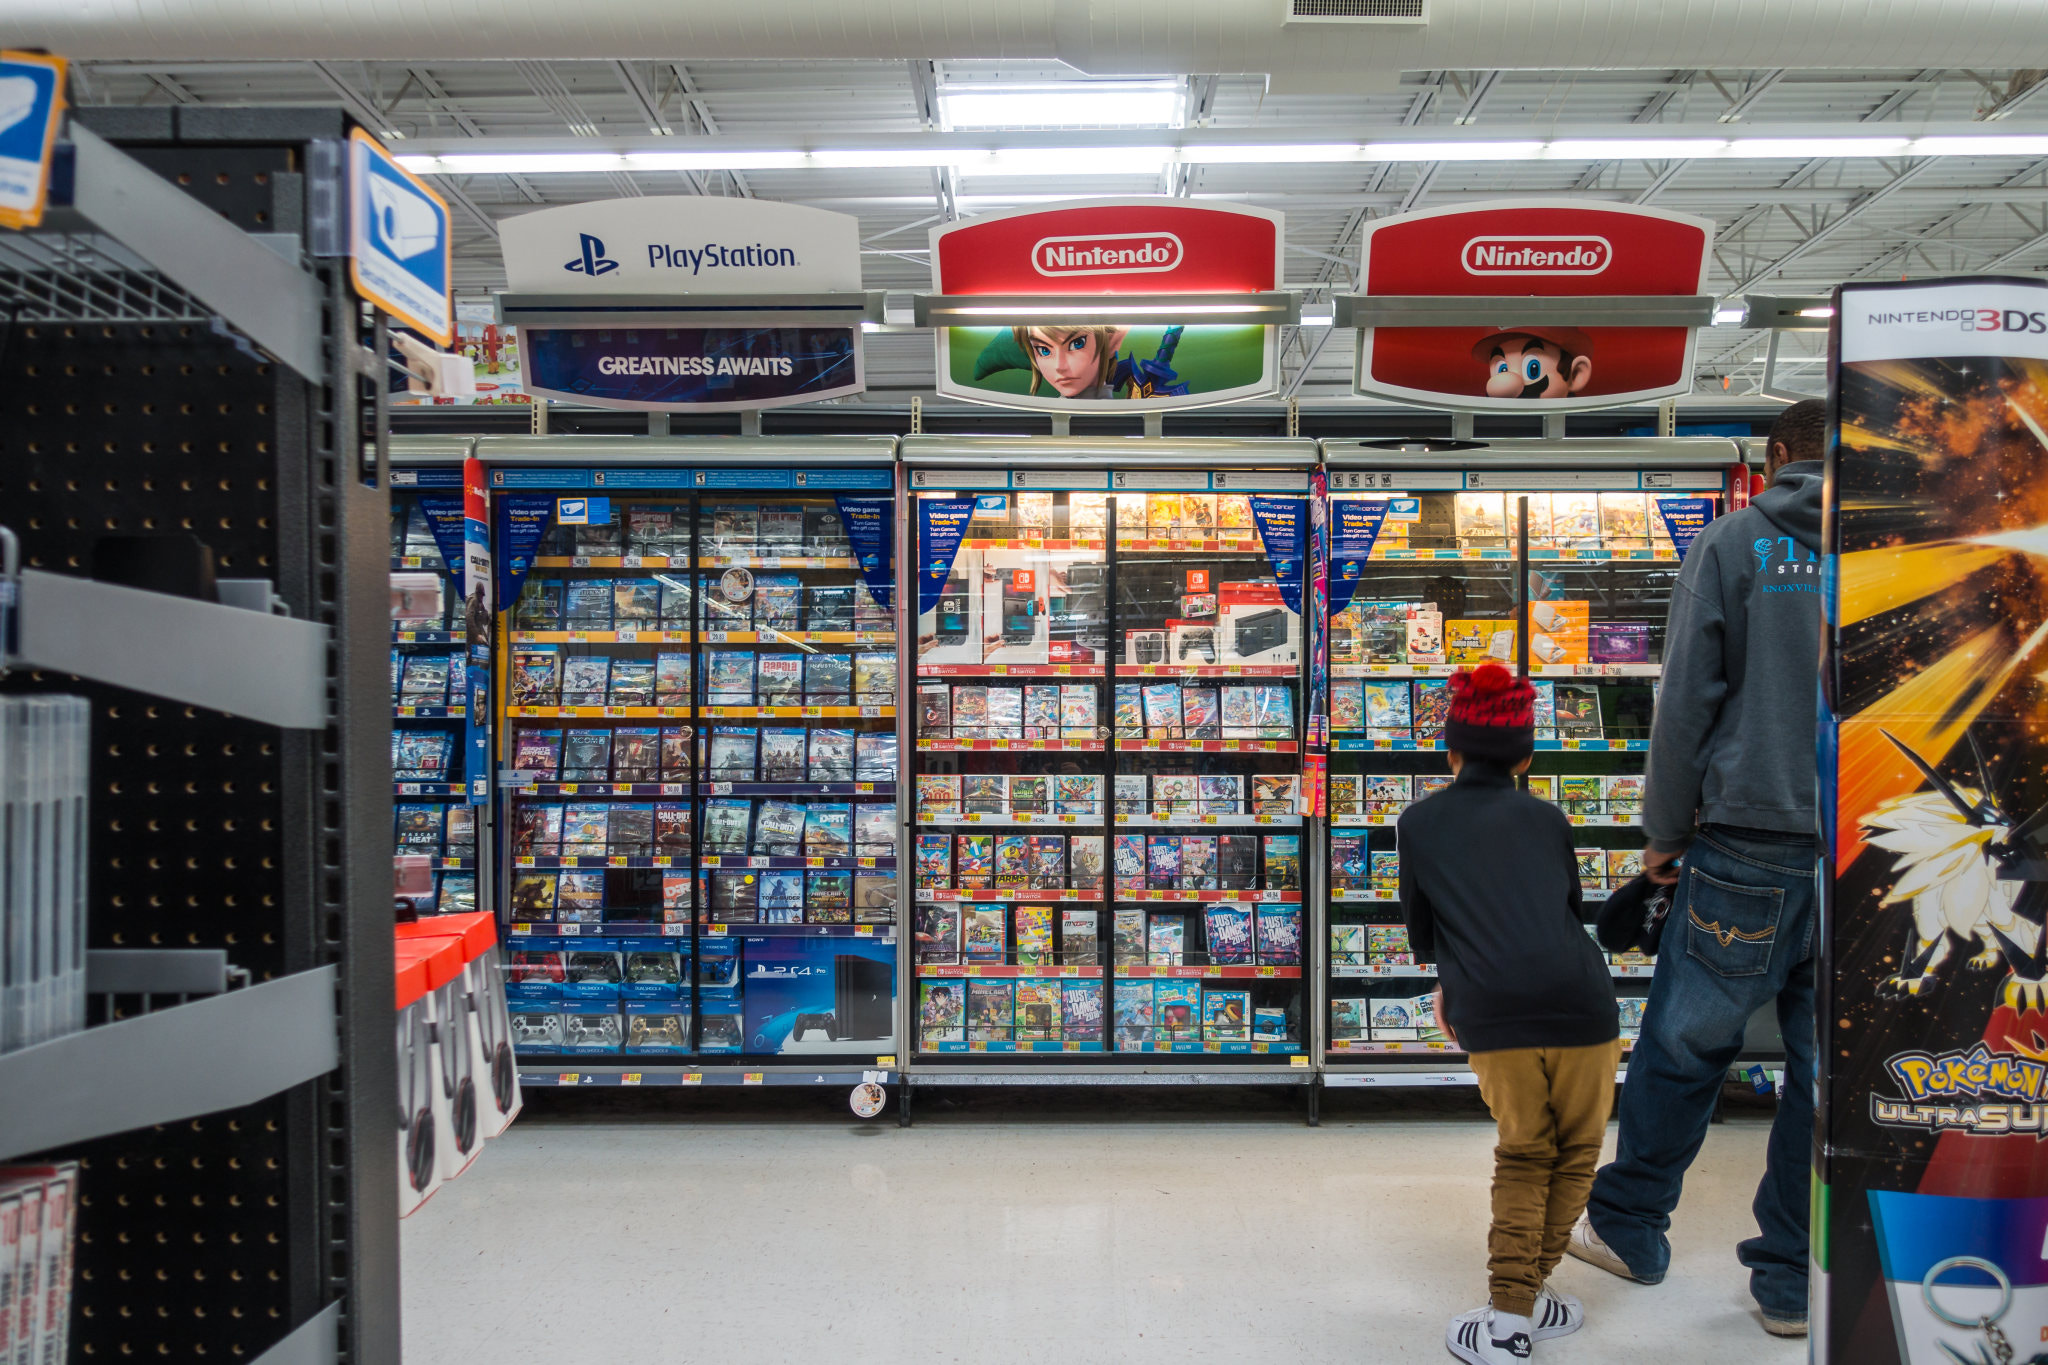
pixel 1931 1229
pixel 1108 248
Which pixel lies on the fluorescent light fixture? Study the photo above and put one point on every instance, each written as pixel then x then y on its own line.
pixel 1633 149
pixel 1294 153
pixel 1980 146
pixel 1064 104
pixel 1150 158
pixel 1065 161
pixel 1318 315
pixel 1730 315
pixel 1809 148
pixel 1117 310
pixel 1824 311
pixel 1444 151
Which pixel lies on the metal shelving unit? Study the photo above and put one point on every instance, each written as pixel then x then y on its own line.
pixel 178 359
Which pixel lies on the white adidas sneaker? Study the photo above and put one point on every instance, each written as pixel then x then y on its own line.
pixel 1556 1315
pixel 1471 1338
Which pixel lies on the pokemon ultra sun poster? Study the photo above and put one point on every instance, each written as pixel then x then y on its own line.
pixel 1929 1244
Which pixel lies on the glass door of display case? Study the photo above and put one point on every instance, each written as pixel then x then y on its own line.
pixel 1433 553
pixel 435 864
pixel 701 756
pixel 1107 832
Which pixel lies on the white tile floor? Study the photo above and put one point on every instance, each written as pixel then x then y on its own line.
pixel 1000 1234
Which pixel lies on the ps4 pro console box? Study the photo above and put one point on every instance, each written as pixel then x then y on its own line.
pixel 814 996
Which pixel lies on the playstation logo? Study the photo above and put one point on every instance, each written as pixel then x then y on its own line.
pixel 593 261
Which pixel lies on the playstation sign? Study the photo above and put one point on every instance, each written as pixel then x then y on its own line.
pixel 681 244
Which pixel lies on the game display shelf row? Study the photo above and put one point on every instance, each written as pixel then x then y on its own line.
pixel 1108 707
pixel 701 765
pixel 1109 731
pixel 436 866
pixel 1442 560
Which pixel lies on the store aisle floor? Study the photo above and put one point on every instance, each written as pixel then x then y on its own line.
pixel 993 1235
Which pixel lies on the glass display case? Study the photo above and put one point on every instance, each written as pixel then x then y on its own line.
pixel 700 753
pixel 1107 832
pixel 435 866
pixel 1442 559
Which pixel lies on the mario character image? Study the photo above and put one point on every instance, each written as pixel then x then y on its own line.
pixel 1536 362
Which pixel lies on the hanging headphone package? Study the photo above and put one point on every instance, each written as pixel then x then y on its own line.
pixel 419 1167
pixel 483 1077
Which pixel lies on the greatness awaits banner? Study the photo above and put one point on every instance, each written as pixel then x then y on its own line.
pixel 1932 1164
pixel 1109 247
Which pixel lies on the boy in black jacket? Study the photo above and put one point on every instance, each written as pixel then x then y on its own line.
pixel 1490 889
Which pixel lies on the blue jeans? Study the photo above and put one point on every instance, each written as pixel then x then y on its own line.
pixel 1740 934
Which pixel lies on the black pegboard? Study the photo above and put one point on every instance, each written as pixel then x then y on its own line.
pixel 215 1238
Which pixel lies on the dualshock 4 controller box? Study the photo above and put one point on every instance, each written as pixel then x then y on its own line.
pixel 657 1026
pixel 590 1025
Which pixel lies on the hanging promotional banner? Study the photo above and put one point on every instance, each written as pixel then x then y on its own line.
pixel 1318 632
pixel 1684 519
pixel 1538 249
pixel 523 518
pixel 1109 247
pixel 869 528
pixel 676 246
pixel 1280 531
pixel 941 526
pixel 479 618
pixel 706 369
pixel 1932 1166
pixel 31 108
pixel 1354 529
pixel 443 513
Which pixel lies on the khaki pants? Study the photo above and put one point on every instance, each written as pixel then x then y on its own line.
pixel 1551 1104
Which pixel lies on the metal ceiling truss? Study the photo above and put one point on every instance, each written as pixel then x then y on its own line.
pixel 1796 229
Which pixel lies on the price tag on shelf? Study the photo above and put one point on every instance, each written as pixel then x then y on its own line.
pixel 752 1078
pixel 675 931
pixel 569 930
pixel 693 1078
pixel 629 561
pixel 408 789
pixel 719 931
pixel 579 561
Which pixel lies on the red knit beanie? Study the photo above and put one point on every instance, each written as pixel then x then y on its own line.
pixel 1493 715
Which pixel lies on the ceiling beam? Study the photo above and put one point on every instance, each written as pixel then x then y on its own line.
pixel 1840 221
pixel 688 85
pixel 360 107
pixel 644 97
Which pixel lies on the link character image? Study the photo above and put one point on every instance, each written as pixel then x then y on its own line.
pixel 1082 362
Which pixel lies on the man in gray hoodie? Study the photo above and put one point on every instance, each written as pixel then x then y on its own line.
pixel 1730 814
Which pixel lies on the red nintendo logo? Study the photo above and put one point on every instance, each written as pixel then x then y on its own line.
pixel 1562 255
pixel 1108 253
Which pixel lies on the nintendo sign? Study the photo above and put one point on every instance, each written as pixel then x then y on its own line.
pixel 1108 253
pixel 1537 250
pixel 1101 249
pixel 1537 255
